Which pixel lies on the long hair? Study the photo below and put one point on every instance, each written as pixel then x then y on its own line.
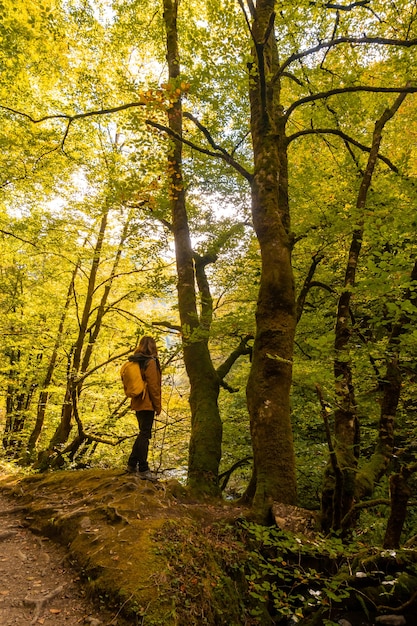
pixel 147 345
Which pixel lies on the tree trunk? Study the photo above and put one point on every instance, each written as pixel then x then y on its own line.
pixel 93 333
pixel 269 384
pixel 18 400
pixel 206 426
pixel 400 494
pixel 390 386
pixel 63 430
pixel 335 506
pixel 44 393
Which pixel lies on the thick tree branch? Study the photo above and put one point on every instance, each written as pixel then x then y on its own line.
pixel 76 116
pixel 242 349
pixel 262 72
pixel 224 477
pixel 206 300
pixel 220 152
pixel 228 387
pixel 380 41
pixel 346 138
pixel 307 285
pixel 354 89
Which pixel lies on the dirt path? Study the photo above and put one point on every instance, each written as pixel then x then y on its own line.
pixel 37 583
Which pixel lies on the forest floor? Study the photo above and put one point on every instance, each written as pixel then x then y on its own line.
pixel 75 544
pixel 101 547
pixel 38 584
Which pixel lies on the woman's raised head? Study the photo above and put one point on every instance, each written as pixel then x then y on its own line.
pixel 147 345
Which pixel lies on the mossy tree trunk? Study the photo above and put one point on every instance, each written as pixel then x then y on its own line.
pixel 400 494
pixel 194 301
pixel 206 425
pixel 338 496
pixel 268 390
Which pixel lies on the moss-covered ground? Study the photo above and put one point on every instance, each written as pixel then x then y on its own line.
pixel 145 547
pixel 160 557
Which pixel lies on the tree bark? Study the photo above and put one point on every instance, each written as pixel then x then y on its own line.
pixel 206 426
pixel 335 506
pixel 269 384
pixel 400 494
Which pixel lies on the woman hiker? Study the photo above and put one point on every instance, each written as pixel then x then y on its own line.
pixel 146 406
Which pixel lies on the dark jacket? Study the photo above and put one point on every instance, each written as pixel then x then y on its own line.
pixel 151 374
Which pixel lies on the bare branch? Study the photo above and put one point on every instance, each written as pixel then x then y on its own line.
pixel 81 379
pixel 76 116
pixel 221 154
pixel 242 349
pixel 354 89
pixel 6 232
pixel 380 41
pixel 345 137
pixel 348 7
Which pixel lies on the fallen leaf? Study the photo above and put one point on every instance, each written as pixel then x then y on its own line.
pixel 55 611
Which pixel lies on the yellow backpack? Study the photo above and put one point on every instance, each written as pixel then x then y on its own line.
pixel 132 380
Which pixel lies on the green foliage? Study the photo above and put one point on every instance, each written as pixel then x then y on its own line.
pixel 269 575
pixel 55 186
pixel 292 576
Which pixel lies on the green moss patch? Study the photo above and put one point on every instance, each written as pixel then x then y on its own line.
pixel 128 536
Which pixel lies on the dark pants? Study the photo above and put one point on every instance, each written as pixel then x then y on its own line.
pixel 139 454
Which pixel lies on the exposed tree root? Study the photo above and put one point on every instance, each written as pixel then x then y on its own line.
pixel 39 603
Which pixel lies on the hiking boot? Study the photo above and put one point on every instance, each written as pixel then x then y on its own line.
pixel 147 475
pixel 131 470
